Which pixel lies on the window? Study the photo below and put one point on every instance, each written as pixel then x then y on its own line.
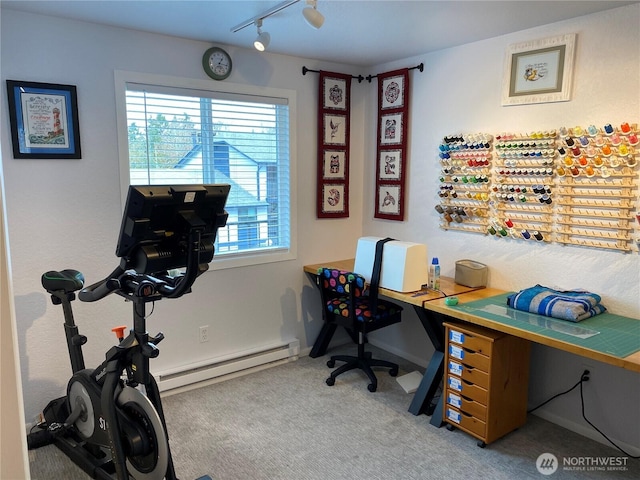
pixel 187 133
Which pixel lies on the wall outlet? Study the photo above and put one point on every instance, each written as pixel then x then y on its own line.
pixel 204 333
pixel 587 368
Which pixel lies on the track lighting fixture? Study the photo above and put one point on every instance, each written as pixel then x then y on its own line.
pixel 262 41
pixel 311 14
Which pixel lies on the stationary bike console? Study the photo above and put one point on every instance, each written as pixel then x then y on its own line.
pixel 111 421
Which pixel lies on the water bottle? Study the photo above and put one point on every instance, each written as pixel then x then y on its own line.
pixel 434 274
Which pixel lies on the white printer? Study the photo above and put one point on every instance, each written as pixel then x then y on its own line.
pixel 404 264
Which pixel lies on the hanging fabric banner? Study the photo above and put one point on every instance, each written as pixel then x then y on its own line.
pixel 391 160
pixel 334 103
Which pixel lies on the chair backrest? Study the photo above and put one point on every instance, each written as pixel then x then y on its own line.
pixel 339 290
pixel 341 282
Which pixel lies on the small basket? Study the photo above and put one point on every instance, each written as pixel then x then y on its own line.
pixel 471 273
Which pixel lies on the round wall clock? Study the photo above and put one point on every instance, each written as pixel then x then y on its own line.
pixel 217 63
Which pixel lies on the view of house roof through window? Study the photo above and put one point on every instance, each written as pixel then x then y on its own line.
pixel 190 137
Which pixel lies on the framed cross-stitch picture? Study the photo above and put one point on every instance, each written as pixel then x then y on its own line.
pixel 539 71
pixel 44 120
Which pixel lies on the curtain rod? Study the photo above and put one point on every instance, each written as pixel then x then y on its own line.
pixel 418 67
pixel 360 78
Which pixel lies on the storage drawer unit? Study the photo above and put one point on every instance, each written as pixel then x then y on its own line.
pixel 486 380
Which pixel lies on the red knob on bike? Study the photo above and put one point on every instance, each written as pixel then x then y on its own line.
pixel 119 331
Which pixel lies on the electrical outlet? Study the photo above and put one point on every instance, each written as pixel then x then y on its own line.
pixel 204 333
pixel 587 371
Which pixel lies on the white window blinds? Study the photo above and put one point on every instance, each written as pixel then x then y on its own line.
pixel 186 136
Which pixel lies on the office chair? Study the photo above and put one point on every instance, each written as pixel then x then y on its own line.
pixel 346 302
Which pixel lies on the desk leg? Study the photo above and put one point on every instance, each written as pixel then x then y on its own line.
pixel 322 342
pixel 432 323
pixel 429 385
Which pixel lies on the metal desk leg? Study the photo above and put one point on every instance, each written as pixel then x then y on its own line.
pixel 428 386
pixel 322 342
pixel 432 323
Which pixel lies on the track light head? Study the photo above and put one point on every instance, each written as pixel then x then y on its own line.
pixel 313 17
pixel 262 40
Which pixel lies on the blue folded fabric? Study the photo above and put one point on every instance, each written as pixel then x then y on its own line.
pixel 572 305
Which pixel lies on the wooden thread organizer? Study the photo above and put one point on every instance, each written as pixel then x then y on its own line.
pixel 589 200
pixel 464 182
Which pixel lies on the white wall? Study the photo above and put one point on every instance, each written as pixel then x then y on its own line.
pixel 460 92
pixel 66 213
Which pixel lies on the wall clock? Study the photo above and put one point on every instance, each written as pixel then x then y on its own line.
pixel 217 63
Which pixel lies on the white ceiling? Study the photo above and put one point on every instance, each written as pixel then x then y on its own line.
pixel 356 32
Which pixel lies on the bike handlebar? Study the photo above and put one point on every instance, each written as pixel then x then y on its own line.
pixel 131 283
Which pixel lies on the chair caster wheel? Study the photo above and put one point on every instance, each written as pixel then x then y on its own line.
pixel 481 444
pixel 393 372
pixel 450 427
pixel 371 387
pixel 331 363
pixel 330 381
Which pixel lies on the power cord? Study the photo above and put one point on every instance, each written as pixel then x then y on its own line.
pixel 584 378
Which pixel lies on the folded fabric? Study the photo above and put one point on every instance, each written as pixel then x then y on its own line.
pixel 572 305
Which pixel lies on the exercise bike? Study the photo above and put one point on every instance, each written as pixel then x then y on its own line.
pixel 111 422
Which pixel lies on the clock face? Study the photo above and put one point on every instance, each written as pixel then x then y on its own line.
pixel 217 63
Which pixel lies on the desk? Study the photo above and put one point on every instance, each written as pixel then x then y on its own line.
pixel 432 312
pixel 630 327
pixel 431 322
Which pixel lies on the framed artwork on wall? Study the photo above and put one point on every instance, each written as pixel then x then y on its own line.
pixel 44 120
pixel 539 71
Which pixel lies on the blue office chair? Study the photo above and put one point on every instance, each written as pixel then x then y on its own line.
pixel 346 302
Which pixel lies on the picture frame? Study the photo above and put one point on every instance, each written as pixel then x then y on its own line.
pixel 539 71
pixel 44 120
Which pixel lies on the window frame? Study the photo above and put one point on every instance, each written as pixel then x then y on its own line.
pixel 232 260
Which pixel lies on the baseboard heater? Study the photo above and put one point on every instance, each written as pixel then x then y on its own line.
pixel 233 363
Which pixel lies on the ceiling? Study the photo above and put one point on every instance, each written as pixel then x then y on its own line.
pixel 355 32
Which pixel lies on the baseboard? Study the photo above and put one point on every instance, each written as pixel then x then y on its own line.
pixel 210 369
pixel 421 362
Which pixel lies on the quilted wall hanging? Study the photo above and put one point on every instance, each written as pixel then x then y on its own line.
pixel 333 145
pixel 393 118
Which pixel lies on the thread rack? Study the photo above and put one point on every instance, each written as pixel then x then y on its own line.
pixel 464 182
pixel 574 186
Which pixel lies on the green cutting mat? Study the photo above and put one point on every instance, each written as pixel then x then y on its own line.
pixel 606 333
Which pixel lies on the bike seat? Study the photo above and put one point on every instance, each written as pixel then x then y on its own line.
pixel 65 280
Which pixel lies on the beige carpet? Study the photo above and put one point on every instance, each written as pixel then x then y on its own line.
pixel 286 423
